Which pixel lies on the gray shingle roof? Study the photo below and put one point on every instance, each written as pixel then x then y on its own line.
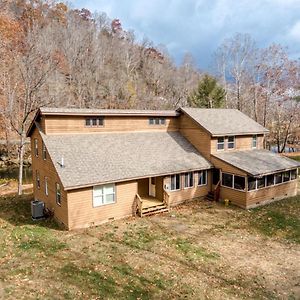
pixel 115 112
pixel 98 158
pixel 258 162
pixel 224 121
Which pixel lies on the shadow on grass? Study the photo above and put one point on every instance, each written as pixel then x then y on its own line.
pixel 16 210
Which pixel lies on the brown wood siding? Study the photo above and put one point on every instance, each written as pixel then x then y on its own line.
pixel 76 124
pixel 82 214
pixel 197 136
pixel 273 193
pixel 225 167
pixel 236 197
pixel 242 142
pixel 177 197
pixel 47 169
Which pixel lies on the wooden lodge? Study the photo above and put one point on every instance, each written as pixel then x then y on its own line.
pixel 91 166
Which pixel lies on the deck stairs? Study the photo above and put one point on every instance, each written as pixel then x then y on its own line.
pixel 149 205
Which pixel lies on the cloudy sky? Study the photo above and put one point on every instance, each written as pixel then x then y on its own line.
pixel 199 26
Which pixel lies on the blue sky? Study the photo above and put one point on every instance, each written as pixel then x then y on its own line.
pixel 199 26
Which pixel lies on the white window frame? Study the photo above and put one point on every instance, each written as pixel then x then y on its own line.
pixel 189 174
pixel 221 143
pixel 174 175
pixel 100 192
pixel 232 186
pixel 231 136
pixel 46 186
pixel 254 141
pixel 36 148
pixel 199 176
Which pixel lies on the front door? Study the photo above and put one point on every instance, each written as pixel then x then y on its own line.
pixel 152 186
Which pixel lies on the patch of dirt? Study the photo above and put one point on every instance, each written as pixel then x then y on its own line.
pixel 11 188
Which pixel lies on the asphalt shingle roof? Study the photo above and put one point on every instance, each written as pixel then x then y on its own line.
pixel 224 121
pixel 99 158
pixel 258 162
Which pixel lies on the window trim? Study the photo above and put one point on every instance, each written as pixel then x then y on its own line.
pixel 36 148
pixel 203 184
pixel 193 179
pixel 37 179
pixel 58 192
pixel 46 186
pixel 103 195
pixel 178 174
pixel 44 151
pixel 232 188
pixel 233 136
pixel 222 143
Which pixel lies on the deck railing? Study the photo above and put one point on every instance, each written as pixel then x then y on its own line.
pixel 217 191
pixel 139 204
pixel 166 198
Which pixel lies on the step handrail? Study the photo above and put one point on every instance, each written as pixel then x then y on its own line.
pixel 139 203
pixel 166 198
pixel 217 191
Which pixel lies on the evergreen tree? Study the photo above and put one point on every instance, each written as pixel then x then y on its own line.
pixel 208 94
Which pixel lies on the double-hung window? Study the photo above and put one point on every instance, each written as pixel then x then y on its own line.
pixel 58 193
pixel 44 151
pixel 231 142
pixel 220 143
pixel 175 182
pixel 38 181
pixel 188 180
pixel 46 186
pixel 36 148
pixel 103 194
pixel 254 141
pixel 202 177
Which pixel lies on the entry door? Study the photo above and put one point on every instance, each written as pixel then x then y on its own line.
pixel 152 186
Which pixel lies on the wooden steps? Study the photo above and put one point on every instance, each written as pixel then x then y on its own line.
pixel 152 206
pixel 210 196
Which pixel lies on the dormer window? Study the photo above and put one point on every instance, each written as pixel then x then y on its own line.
pixel 231 142
pixel 220 143
pixel 157 121
pixel 254 141
pixel 94 122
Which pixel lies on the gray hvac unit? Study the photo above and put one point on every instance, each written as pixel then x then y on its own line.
pixel 37 209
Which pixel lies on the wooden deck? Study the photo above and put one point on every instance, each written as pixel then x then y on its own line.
pixel 149 201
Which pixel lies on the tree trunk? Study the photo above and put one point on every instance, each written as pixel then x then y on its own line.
pixel 21 161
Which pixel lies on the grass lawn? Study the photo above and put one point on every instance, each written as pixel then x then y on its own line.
pixel 201 250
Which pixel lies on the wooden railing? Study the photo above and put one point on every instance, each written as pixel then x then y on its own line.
pixel 166 198
pixel 217 191
pixel 139 204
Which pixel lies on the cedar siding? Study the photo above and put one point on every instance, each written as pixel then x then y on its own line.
pixel 76 124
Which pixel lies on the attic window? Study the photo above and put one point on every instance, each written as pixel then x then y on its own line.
pixel 254 141
pixel 220 143
pixel 94 121
pixel 231 142
pixel 157 121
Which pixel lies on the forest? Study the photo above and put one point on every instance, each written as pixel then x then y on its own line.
pixel 55 55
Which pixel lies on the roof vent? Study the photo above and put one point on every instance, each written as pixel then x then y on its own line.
pixel 61 163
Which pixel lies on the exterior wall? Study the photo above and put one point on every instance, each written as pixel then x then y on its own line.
pixel 236 197
pixel 273 193
pixel 46 168
pixel 184 194
pixel 219 164
pixel 242 142
pixel 76 124
pixel 195 134
pixel 82 214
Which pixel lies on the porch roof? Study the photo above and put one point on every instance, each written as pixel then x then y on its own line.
pixel 257 162
pixel 91 159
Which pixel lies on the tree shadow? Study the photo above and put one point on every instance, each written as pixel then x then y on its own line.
pixel 16 210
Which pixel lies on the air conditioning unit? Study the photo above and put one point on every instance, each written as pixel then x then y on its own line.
pixel 37 209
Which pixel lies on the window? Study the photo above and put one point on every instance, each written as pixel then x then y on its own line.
pixel 278 178
pixel 37 177
pixel 261 182
pixel 46 186
pixel 286 176
pixel 254 141
pixel 157 121
pixel 188 180
pixel 216 176
pixel 36 148
pixel 270 180
pixel 293 174
pixel 175 182
pixel 227 180
pixel 202 177
pixel 220 143
pixel 239 182
pixel 44 152
pixel 251 183
pixel 94 121
pixel 103 194
pixel 231 142
pixel 58 193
